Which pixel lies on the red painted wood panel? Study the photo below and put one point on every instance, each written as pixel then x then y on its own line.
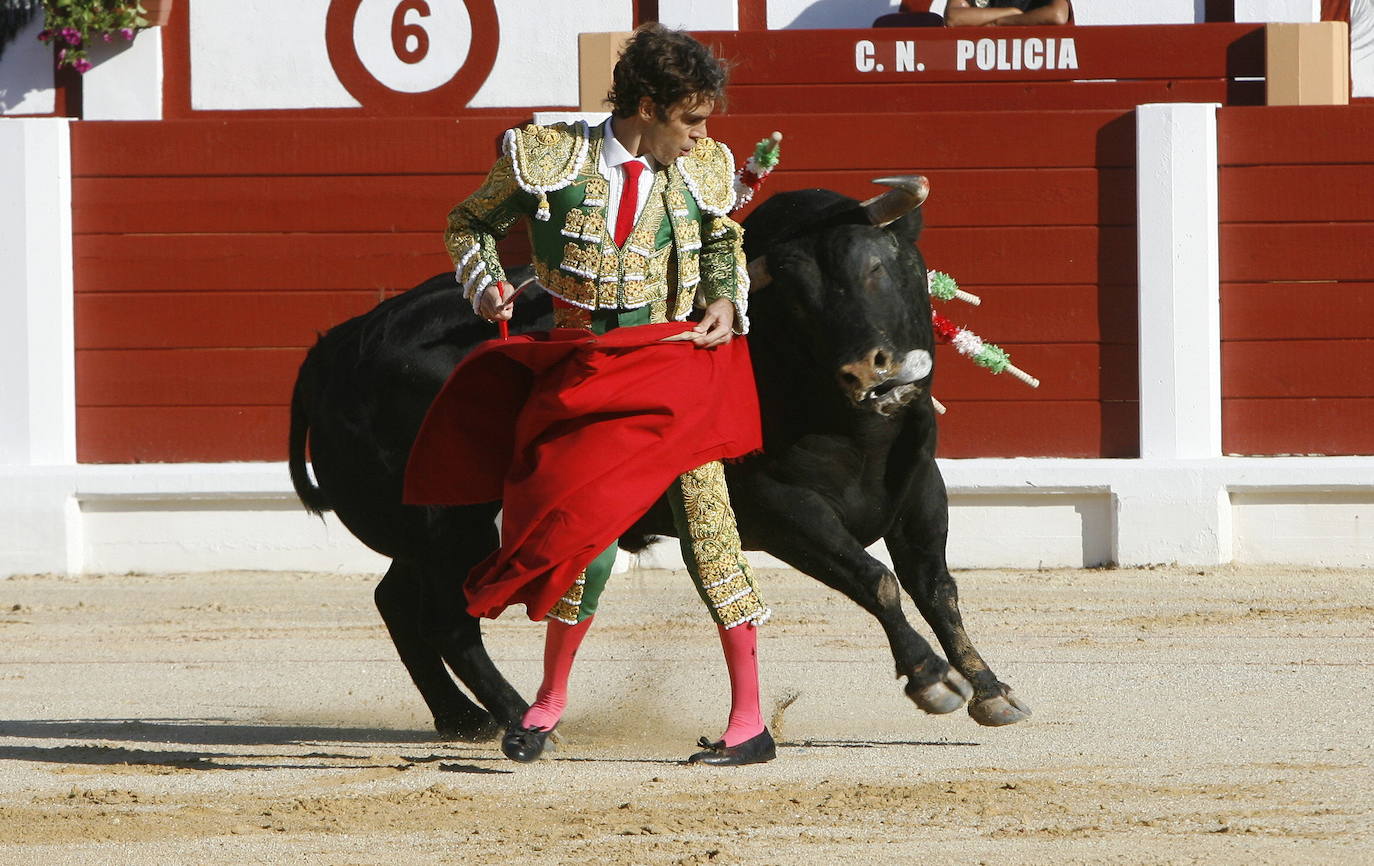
pixel 348 146
pixel 1037 428
pixel 342 261
pixel 1330 426
pixel 1067 371
pixel 195 303
pixel 1297 311
pixel 242 204
pixel 1298 193
pixel 995 197
pixel 1048 314
pixel 262 262
pixel 420 203
pixel 199 320
pixel 185 377
pixel 180 434
pixel 1294 135
pixel 862 142
pixel 1272 252
pixel 1034 255
pixel 1153 51
pixel 1298 368
pixel 988 96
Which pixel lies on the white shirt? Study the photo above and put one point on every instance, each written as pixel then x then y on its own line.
pixel 613 159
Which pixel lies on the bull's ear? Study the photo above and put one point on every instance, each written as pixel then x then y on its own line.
pixel 758 273
pixel 908 228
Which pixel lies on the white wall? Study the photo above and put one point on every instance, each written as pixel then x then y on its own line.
pixel 234 67
pixel 1362 47
pixel 1285 11
pixel 699 14
pixel 125 82
pixel 26 79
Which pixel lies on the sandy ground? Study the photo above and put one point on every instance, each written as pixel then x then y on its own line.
pixel 1180 716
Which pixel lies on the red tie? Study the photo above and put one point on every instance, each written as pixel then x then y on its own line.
pixel 629 202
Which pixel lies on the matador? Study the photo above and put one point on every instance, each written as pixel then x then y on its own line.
pixel 629 226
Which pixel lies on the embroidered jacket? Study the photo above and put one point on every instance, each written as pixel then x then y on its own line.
pixel 683 249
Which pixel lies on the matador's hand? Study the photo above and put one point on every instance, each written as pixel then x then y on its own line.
pixel 716 328
pixel 498 302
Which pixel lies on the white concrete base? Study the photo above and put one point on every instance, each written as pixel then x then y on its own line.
pixel 1021 513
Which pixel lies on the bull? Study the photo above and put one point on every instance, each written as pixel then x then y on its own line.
pixel 843 356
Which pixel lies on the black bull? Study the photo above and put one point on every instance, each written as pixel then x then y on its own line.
pixel 842 346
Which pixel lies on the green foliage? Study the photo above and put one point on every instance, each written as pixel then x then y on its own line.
pixel 71 25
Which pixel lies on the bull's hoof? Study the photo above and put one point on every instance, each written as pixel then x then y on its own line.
pixel 467 727
pixel 942 696
pixel 998 710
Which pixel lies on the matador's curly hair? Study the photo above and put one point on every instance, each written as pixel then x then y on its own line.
pixel 666 66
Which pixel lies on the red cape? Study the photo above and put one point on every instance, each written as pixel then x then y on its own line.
pixel 577 435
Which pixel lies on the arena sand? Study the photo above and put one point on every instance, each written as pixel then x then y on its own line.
pixel 1217 716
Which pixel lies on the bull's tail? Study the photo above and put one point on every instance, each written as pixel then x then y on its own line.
pixel 311 496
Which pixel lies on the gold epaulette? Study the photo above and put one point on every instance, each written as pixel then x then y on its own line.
pixel 709 171
pixel 546 158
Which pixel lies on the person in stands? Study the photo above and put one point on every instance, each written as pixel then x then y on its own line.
pixel 1007 13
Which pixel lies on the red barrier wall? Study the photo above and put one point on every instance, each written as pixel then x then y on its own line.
pixel 208 254
pixel 1297 271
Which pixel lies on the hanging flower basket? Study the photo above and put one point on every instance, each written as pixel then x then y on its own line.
pixel 72 25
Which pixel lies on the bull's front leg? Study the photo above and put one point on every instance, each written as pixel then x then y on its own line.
pixel 917 546
pixel 802 529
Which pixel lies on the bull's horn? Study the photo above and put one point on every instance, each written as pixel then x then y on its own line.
pixel 908 193
pixel 758 273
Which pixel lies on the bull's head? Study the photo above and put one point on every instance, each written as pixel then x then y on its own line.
pixel 847 275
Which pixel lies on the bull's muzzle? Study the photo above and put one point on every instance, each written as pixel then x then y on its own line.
pixel 884 381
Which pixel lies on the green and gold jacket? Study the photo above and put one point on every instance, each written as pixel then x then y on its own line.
pixel 684 249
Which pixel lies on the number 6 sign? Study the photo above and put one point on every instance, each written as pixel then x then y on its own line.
pixel 412 57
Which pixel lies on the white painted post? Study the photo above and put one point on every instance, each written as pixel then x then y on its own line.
pixel 699 14
pixel 1178 269
pixel 1174 511
pixel 126 81
pixel 37 364
pixel 39 518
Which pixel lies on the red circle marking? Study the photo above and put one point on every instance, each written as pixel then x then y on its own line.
pixel 445 100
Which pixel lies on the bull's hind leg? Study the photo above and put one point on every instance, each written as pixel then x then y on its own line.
pixel 917 546
pixel 800 528
pixel 400 599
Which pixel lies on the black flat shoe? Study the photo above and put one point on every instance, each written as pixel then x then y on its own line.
pixel 524 745
pixel 755 750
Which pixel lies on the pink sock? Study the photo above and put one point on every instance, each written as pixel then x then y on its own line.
pixel 742 659
pixel 560 646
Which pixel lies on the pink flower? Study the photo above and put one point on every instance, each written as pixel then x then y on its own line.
pixel 71 35
pixel 108 37
pixel 83 65
pixel 61 55
pixel 127 33
pixel 45 36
